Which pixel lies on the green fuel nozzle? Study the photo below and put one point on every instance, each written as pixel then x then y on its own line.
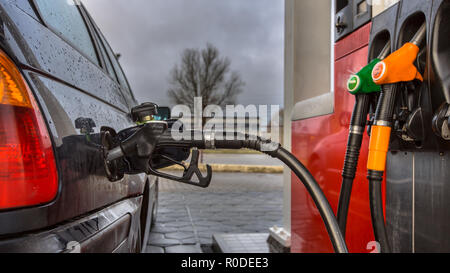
pixel 362 82
pixel 362 86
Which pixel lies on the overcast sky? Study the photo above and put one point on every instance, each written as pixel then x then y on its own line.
pixel 151 35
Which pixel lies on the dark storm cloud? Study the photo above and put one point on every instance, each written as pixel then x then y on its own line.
pixel 151 34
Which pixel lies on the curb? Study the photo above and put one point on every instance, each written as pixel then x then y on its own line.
pixel 228 168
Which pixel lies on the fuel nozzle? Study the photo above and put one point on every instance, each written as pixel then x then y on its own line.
pixel 141 146
pixel 441 122
pixel 397 68
pixel 362 86
pixel 362 81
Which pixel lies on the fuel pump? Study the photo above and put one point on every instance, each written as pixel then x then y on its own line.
pixel 140 147
pixel 396 69
pixel 362 86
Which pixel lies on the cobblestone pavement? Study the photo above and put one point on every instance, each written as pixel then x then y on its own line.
pixel 234 203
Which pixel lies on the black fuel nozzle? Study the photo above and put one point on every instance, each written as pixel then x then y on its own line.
pixel 152 147
pixel 139 147
pixel 441 122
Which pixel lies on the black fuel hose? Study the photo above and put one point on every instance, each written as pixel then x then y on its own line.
pixel 336 236
pixel 241 141
pixel 146 139
pixel 386 104
pixel 355 138
pixel 383 117
pixel 376 209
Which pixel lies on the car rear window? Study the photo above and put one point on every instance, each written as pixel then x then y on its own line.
pixel 64 17
pixel 120 75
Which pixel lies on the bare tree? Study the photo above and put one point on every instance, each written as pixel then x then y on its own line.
pixel 204 73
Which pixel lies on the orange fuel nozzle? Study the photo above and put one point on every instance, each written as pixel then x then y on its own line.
pixel 398 67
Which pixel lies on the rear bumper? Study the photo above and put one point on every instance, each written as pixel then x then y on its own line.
pixel 113 229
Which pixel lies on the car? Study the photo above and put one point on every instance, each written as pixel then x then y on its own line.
pixel 61 86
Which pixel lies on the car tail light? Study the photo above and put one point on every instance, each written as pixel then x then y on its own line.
pixel 28 174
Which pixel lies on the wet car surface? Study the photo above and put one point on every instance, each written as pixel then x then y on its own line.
pixel 80 88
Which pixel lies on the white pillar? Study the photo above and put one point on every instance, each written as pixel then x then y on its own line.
pixel 283 234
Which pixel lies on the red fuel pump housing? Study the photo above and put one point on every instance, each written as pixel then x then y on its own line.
pixel 320 143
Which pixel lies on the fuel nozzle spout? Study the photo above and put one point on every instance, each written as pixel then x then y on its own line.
pixel 420 35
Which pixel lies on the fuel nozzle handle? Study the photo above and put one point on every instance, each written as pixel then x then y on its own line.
pixel 362 82
pixel 399 66
pixel 141 144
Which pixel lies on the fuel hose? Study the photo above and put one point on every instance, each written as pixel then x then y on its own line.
pixel 362 86
pixel 236 141
pixel 276 151
pixel 389 74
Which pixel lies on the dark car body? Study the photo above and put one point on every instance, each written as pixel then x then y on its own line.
pixel 89 213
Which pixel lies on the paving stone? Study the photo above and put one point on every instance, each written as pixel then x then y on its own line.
pixel 178 224
pixel 178 213
pixel 206 235
pixel 223 229
pixel 163 220
pixel 237 222
pixel 173 216
pixel 185 229
pixel 164 210
pixel 179 235
pixel 205 223
pixel 202 229
pixel 206 241
pixel 155 236
pixel 163 229
pixel 163 242
pixel 218 218
pixel 184 249
pixel 154 249
pixel 214 209
pixel 190 241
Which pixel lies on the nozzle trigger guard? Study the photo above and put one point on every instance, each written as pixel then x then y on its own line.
pixel 189 172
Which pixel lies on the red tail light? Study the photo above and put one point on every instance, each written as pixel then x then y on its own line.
pixel 28 174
